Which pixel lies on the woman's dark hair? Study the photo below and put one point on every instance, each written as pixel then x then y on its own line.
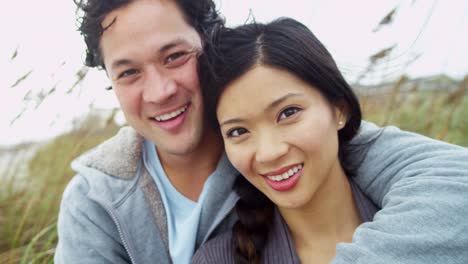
pixel 201 15
pixel 287 45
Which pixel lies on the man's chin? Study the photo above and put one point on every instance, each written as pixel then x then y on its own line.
pixel 183 144
pixel 180 149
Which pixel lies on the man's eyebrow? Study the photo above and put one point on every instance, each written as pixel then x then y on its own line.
pixel 270 106
pixel 174 43
pixel 119 63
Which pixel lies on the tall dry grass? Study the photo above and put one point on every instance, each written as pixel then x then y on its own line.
pixel 439 113
pixel 28 211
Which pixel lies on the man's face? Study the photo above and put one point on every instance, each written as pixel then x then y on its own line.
pixel 150 54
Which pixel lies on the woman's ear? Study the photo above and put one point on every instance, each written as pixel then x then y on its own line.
pixel 341 116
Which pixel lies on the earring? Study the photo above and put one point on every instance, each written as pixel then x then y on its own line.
pixel 340 123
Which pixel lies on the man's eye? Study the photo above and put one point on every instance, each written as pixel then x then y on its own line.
pixel 177 58
pixel 288 112
pixel 236 132
pixel 127 73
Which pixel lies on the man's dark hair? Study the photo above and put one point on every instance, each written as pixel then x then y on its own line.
pixel 200 14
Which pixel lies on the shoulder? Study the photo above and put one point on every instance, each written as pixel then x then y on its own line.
pixel 86 232
pixel 76 203
pixel 217 250
pixel 76 192
pixel 392 138
pixel 79 215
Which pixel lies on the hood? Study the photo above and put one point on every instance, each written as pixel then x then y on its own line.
pixel 118 156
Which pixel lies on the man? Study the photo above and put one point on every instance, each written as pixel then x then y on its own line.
pixel 155 192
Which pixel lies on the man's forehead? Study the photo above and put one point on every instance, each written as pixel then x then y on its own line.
pixel 137 9
pixel 147 16
pixel 144 27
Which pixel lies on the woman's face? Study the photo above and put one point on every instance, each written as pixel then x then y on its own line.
pixel 281 134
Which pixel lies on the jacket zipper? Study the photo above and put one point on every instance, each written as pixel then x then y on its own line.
pixel 119 229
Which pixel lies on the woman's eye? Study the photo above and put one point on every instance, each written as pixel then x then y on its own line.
pixel 127 73
pixel 288 112
pixel 236 132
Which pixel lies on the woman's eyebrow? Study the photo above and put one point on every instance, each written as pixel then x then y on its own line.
pixel 269 107
pixel 283 98
pixel 231 121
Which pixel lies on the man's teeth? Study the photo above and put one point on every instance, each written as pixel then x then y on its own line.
pixel 286 174
pixel 171 114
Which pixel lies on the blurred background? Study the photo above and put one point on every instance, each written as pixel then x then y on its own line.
pixel 406 59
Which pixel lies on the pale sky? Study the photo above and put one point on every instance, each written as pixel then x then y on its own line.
pixel 44 34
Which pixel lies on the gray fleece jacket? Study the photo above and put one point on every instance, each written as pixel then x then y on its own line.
pixel 111 211
pixel 279 247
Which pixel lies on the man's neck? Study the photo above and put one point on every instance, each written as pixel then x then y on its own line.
pixel 188 173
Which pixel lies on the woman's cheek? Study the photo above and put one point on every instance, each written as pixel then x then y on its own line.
pixel 240 159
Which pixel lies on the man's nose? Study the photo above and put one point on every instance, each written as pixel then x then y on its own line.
pixel 270 148
pixel 158 86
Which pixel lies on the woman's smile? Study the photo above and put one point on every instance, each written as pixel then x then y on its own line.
pixel 284 179
pixel 281 134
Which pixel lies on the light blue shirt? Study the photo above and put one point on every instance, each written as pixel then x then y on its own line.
pixel 183 214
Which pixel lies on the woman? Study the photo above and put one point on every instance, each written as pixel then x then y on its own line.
pixel 286 115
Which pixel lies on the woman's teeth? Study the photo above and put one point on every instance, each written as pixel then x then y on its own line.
pixel 286 174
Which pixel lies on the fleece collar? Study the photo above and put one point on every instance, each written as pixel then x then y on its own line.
pixel 118 156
